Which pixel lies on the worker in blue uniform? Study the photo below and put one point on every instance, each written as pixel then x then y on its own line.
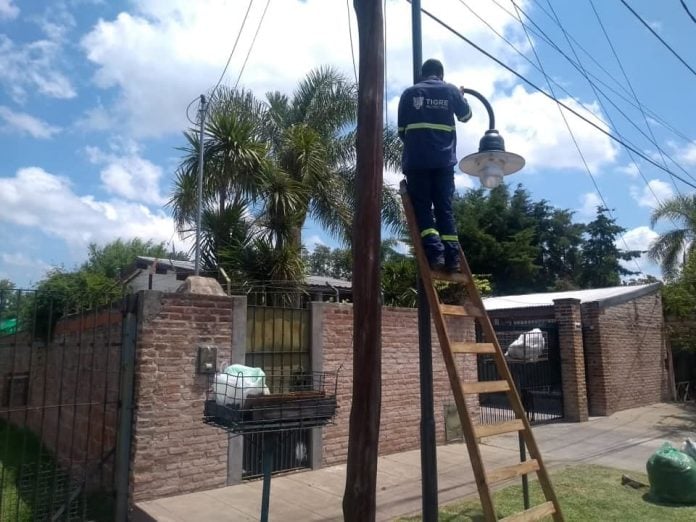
pixel 427 128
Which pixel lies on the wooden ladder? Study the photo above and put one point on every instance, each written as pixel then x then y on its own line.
pixel 472 433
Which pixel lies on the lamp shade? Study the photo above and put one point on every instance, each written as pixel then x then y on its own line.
pixel 491 163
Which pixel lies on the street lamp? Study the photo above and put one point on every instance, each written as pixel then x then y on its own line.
pixel 491 162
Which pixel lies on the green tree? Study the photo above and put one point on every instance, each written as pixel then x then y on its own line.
pixel 235 165
pixel 679 304
pixel 674 247
pixel 498 237
pixel 601 258
pixel 111 259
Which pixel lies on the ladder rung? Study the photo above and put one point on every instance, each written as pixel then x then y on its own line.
pixel 453 277
pixel 509 472
pixel 459 347
pixel 465 309
pixel 485 387
pixel 487 430
pixel 532 514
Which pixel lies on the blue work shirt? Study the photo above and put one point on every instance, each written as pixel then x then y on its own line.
pixel 426 124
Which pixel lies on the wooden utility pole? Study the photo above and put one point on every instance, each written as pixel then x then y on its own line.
pixel 359 499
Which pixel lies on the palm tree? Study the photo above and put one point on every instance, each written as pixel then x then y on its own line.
pixel 313 141
pixel 271 165
pixel 674 247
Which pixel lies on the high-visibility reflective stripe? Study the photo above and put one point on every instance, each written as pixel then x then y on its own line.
pixel 432 126
pixel 447 237
pixel 429 231
pixel 401 129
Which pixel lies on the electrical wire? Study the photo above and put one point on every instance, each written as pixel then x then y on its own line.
pixel 234 47
pixel 224 70
pixel 577 65
pixel 594 89
pixel 253 41
pixel 350 37
pixel 633 92
pixel 647 25
pixel 693 19
pixel 572 134
pixel 539 32
pixel 543 92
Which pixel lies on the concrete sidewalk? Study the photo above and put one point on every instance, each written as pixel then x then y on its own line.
pixel 625 440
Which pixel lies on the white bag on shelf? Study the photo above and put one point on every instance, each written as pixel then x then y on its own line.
pixel 237 383
pixel 529 346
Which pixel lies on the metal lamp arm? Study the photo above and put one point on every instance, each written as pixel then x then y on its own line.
pixel 486 104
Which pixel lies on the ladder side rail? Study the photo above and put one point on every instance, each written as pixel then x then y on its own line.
pixel 455 383
pixel 513 395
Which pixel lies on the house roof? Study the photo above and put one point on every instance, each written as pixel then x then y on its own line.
pixel 604 296
pixel 315 280
pixel 174 263
pixel 188 266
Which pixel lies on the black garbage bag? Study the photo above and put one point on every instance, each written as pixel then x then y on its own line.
pixel 672 475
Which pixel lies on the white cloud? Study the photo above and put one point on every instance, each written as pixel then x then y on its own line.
pixel 532 126
pixel 639 238
pixel 313 242
pixel 463 182
pixel 36 199
pixel 96 118
pixel 588 209
pixel 687 154
pixel 184 45
pixel 27 124
pixel 630 169
pixel 656 25
pixel 8 10
pixel 33 66
pixel 126 174
pixel 652 194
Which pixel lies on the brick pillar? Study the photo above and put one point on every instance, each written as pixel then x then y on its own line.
pixel 569 320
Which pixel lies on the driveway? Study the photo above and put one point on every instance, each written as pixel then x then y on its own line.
pixel 624 440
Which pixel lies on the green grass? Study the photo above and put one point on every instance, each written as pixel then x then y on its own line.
pixel 17 447
pixel 21 449
pixel 586 493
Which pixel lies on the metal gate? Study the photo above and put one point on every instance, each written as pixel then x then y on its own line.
pixel 535 364
pixel 59 390
pixel 278 341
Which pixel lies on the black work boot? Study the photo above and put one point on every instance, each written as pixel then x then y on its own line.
pixel 437 263
pixel 452 263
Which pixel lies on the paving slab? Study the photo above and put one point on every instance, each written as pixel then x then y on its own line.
pixel 624 440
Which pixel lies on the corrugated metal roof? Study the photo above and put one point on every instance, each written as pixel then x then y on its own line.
pixel 314 280
pixel 174 263
pixel 602 295
pixel 311 280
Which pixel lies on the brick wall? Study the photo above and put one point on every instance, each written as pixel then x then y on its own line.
pixel 625 355
pixel 173 451
pixel 400 421
pixel 73 385
pixel 569 320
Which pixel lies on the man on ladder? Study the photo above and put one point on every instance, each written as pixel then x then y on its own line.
pixel 428 131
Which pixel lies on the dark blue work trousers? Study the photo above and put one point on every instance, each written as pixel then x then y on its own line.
pixel 431 192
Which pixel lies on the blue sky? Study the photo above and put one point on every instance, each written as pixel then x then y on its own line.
pixel 93 96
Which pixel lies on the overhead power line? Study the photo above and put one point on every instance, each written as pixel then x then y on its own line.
pixel 538 31
pixel 565 106
pixel 251 46
pixel 594 89
pixel 350 38
pixel 630 86
pixel 693 19
pixel 647 25
pixel 234 47
pixel 577 65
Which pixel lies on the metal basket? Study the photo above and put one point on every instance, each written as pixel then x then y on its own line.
pixel 278 401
